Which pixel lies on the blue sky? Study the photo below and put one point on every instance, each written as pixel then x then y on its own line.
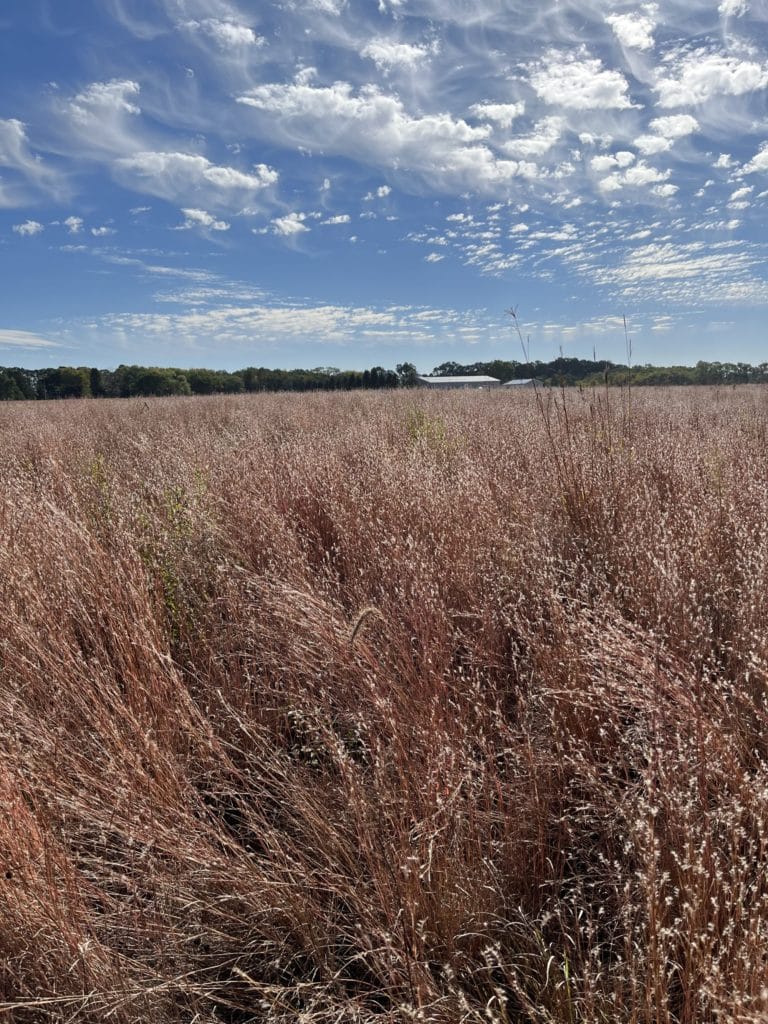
pixel 360 182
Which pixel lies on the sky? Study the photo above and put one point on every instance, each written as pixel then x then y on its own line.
pixel 366 182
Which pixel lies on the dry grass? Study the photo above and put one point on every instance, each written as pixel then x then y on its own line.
pixel 385 707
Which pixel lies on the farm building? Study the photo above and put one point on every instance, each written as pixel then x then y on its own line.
pixel 477 381
pixel 529 382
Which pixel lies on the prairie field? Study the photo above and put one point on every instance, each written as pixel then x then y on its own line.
pixel 385 707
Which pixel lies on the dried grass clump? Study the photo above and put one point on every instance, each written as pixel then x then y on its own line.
pixel 385 707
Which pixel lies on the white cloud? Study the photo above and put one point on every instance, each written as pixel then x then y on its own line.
pixel 341 218
pixel 173 175
pixel 546 133
pixel 375 128
pixel 101 122
pixel 633 177
pixel 665 191
pixel 633 30
pixel 24 339
pixel 290 225
pixel 385 53
pixel 203 296
pixel 759 161
pixel 102 232
pixel 334 7
pixel 434 257
pixel 676 126
pixel 613 183
pixel 13 144
pixel 502 114
pixel 227 35
pixel 666 131
pixel 17 157
pixel 642 174
pixel 699 75
pixel 724 161
pixel 650 145
pixel 733 8
pixel 601 164
pixel 194 218
pixel 580 83
pixel 28 228
pixel 115 96
pixel 380 193
pixel 74 225
pixel 688 272
pixel 325 323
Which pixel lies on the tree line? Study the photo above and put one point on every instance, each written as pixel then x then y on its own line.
pixel 148 381
pixel 587 372
pixel 17 383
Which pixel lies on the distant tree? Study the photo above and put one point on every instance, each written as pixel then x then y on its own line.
pixel 231 383
pixel 211 382
pixel 202 382
pixel 449 369
pixel 158 382
pixel 348 380
pixel 9 389
pixel 25 381
pixel 97 386
pixel 378 377
pixel 408 375
pixel 64 382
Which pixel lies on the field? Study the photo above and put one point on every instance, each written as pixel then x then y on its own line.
pixel 385 707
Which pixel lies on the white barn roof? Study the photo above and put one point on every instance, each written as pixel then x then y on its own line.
pixel 475 379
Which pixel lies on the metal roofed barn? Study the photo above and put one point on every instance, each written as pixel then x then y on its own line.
pixel 528 382
pixel 476 381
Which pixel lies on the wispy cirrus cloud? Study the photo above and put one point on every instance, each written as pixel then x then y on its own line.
pixel 194 218
pixel 388 53
pixel 541 145
pixel 105 122
pixel 375 128
pixel 324 323
pixel 228 35
pixel 24 175
pixel 290 225
pixel 758 164
pixel 118 95
pixel 692 270
pixel 10 339
pixel 173 175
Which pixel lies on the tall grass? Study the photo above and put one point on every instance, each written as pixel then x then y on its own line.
pixel 385 707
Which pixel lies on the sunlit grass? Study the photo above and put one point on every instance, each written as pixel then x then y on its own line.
pixel 385 707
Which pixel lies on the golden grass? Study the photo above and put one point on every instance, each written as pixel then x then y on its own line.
pixel 385 707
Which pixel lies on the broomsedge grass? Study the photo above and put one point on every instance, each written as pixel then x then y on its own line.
pixel 385 707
